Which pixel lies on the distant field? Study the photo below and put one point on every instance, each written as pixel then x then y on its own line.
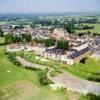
pixel 3 22
pixel 98 17
pixel 96 28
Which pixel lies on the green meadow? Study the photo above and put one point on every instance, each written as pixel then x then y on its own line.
pixel 17 83
pixel 95 30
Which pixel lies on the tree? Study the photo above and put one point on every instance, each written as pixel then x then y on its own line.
pixel 51 30
pixel 62 44
pixel 93 96
pixel 43 79
pixel 17 38
pixel 1 32
pixel 9 38
pixel 28 37
pixel 69 27
pixel 49 42
pixel 32 25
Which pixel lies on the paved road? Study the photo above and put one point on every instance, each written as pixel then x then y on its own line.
pixel 29 64
pixel 76 84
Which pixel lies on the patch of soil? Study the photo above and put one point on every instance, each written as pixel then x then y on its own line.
pixel 25 90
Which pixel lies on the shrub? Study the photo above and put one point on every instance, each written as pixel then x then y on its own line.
pixel 43 79
pixel 91 96
pixel 11 57
pixel 96 79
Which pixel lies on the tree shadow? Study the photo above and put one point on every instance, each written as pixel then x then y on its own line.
pixel 2 44
pixel 83 60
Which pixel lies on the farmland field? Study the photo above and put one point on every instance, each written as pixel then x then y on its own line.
pixel 95 30
pixel 91 68
pixel 3 22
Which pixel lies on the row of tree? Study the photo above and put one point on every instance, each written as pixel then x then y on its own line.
pixel 26 38
pixel 60 44
pixel 68 25
pixel 47 42
pixel 10 38
pixel 1 33
pixel 84 27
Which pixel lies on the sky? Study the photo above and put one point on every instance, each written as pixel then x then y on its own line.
pixel 46 6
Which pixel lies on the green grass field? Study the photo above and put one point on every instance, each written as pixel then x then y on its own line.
pixel 90 68
pixel 95 30
pixel 3 22
pixel 19 82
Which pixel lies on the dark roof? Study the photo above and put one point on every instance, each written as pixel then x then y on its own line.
pixel 72 50
pixel 55 50
pixel 78 53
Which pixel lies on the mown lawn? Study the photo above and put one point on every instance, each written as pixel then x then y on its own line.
pixel 90 68
pixel 95 30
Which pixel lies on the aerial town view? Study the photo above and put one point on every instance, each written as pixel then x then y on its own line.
pixel 49 49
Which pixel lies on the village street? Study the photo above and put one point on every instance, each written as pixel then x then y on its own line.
pixel 66 79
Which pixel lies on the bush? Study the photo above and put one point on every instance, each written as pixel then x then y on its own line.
pixel 6 53
pixel 91 96
pixel 43 79
pixel 96 79
pixel 12 58
pixel 31 68
pixel 83 97
pixel 63 90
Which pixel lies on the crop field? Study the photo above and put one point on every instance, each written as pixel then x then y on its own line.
pixel 95 30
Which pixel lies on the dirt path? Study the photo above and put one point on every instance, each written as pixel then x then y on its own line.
pixel 29 64
pixel 76 84
pixel 71 82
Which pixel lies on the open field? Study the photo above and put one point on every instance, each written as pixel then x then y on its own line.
pixel 3 22
pixel 17 83
pixel 87 70
pixel 95 30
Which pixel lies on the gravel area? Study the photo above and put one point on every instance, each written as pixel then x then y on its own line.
pixel 76 84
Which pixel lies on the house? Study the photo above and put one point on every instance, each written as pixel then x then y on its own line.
pixel 80 45
pixel 71 56
pixel 15 47
pixel 40 33
pixel 76 57
pixel 53 53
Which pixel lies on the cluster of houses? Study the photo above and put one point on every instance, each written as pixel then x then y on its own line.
pixel 79 47
pixel 40 33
